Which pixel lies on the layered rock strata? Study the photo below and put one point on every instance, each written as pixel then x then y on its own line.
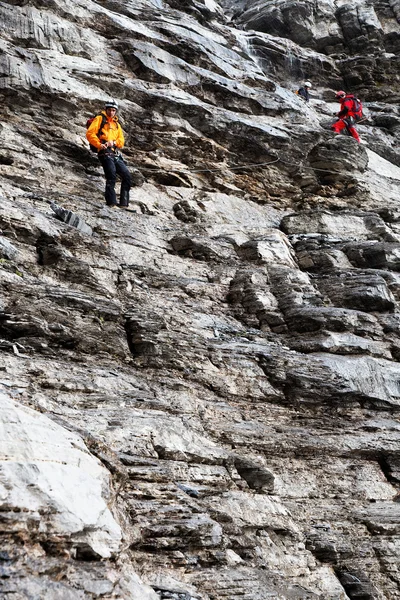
pixel 199 398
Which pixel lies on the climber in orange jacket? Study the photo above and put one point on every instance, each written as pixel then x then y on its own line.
pixel 346 115
pixel 108 139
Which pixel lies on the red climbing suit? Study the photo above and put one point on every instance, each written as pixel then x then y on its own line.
pixel 346 118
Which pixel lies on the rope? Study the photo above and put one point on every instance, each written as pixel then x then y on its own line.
pixel 226 168
pixel 314 168
pixel 246 166
pixel 278 159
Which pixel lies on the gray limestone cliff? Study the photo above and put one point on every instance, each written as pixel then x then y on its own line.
pixel 200 398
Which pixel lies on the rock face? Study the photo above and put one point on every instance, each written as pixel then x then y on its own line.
pixel 363 39
pixel 200 397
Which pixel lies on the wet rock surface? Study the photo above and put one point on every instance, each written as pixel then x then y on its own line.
pixel 199 397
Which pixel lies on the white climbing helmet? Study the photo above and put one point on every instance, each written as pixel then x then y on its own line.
pixel 307 84
pixel 111 104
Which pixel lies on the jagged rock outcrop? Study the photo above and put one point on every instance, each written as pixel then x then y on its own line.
pixel 199 397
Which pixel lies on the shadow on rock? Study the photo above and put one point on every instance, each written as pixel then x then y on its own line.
pixel 338 160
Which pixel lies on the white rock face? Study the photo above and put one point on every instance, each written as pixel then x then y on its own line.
pixel 377 379
pixel 50 478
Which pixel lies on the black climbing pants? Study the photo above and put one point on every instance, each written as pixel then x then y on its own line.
pixel 114 165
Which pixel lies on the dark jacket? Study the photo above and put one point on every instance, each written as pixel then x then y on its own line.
pixel 303 92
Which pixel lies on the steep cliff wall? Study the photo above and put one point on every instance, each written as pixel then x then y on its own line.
pixel 200 398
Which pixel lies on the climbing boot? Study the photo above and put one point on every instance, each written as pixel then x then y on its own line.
pixel 124 198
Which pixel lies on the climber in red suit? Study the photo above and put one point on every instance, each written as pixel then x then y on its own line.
pixel 346 115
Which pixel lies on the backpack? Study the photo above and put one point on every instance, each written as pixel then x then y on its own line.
pixel 357 108
pixel 90 121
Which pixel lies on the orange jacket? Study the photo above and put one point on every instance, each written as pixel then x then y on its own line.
pixel 111 132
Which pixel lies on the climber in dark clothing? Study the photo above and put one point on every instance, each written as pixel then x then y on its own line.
pixel 108 140
pixel 303 91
